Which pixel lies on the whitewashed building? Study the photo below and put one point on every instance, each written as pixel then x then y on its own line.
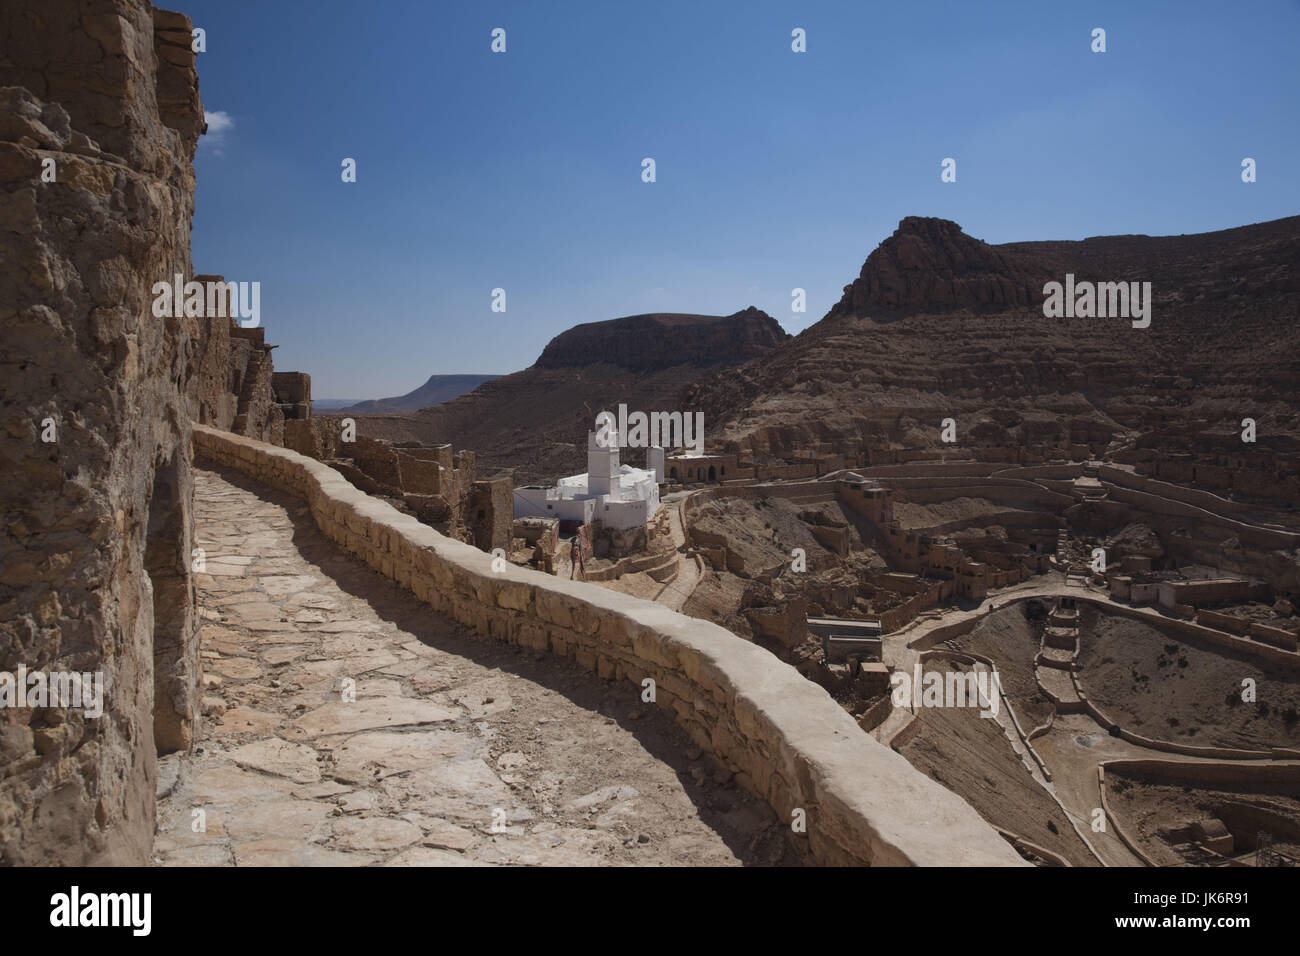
pixel 618 496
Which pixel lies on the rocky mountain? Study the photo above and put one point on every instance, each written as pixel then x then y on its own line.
pixel 533 424
pixel 931 265
pixel 942 325
pixel 645 343
pixel 438 389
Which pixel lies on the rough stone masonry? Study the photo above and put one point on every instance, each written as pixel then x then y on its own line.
pixel 96 533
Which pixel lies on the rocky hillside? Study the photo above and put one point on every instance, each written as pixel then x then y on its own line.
pixel 533 424
pixel 941 325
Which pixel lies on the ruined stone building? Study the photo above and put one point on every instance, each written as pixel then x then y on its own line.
pixel 232 379
pixel 431 482
pixel 96 396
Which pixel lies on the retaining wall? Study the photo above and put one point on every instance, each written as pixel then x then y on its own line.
pixel 784 736
pixel 1232 774
pixel 1249 535
pixel 1066 472
pixel 922 490
pixel 1191 496
pixel 1186 629
pixel 929 469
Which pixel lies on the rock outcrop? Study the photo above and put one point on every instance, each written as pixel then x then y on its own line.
pixel 931 265
pixel 99 120
pixel 646 343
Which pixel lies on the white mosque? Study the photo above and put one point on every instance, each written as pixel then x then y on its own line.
pixel 618 496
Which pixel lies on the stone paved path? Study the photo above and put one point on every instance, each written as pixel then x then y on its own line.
pixel 457 750
pixel 679 590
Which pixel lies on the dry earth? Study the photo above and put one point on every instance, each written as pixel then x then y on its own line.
pixel 1010 639
pixel 1173 689
pixel 971 756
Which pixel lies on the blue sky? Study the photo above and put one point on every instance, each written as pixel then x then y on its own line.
pixel 775 169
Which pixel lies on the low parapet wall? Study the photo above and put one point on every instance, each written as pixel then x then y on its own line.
pixel 1231 773
pixel 784 736
pixel 802 490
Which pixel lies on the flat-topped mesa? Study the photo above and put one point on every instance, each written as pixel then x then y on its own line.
pixel 930 265
pixel 664 340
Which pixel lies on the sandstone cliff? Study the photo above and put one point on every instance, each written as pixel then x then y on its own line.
pixel 96 539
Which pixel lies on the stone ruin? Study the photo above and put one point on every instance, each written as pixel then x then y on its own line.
pixel 431 482
pixel 292 392
pixel 234 385
pixel 534 542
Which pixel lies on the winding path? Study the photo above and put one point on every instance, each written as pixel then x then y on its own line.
pixel 454 750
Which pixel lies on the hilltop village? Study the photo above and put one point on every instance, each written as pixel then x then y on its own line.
pixel 945 581
pixel 859 563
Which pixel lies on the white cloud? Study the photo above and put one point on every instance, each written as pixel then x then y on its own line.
pixel 219 123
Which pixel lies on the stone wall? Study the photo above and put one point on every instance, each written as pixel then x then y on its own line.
pixel 212 393
pixel 97 531
pixel 256 413
pixel 785 737
pixel 293 394
pixel 317 438
pixel 491 512
pixel 229 381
